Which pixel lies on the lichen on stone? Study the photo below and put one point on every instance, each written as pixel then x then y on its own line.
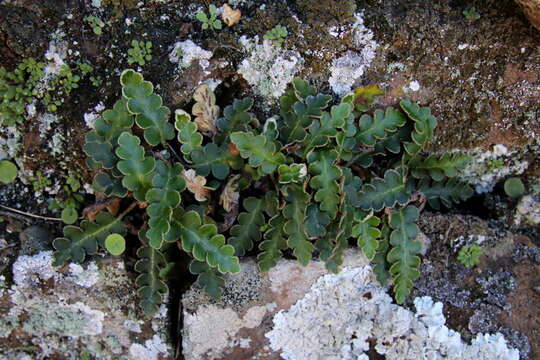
pixel 10 142
pixel 212 328
pixel 342 312
pixel 64 320
pixel 84 277
pixel 348 68
pixel 269 68
pixel 66 311
pixel 187 53
pixel 486 168
pixel 151 349
pixel 528 211
pixel 29 270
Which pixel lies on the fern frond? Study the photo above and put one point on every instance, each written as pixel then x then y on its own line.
pixel 386 192
pixel 293 173
pixel 163 197
pixel 273 244
pixel 212 158
pixel 380 263
pixel 437 167
pixel 204 243
pixel 316 221
pixel 424 124
pixel 380 126
pixel 151 115
pixel 247 231
pixel 102 140
pixel 208 278
pixel 258 150
pixel 205 110
pixel 188 135
pixel 78 242
pixel 301 115
pixel 136 168
pixel 236 117
pixel 367 233
pixel 342 234
pixel 321 130
pixel 295 213
pixel 404 253
pixel 326 173
pixel 108 185
pixel 448 193
pixel 151 289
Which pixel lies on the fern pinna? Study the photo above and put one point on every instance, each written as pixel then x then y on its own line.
pixel 329 174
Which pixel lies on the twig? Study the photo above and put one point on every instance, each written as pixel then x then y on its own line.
pixel 30 215
pixel 176 155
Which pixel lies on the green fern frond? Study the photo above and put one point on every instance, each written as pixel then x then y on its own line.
pixel 321 130
pixel 450 192
pixel 342 234
pixel 380 263
pixel 295 213
pixel 151 115
pixel 372 130
pixel 324 181
pixel 212 158
pixel 294 173
pixel 208 278
pixel 437 167
pixel 188 135
pixel 367 232
pixel 151 289
pixel 163 197
pixel 273 244
pixel 247 231
pixel 258 150
pixel 78 242
pixel 108 185
pixel 316 221
pixel 300 116
pixel 136 168
pixel 204 243
pixel 236 117
pixel 424 124
pixel 102 140
pixel 386 192
pixel 404 253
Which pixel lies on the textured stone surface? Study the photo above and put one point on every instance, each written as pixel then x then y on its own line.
pixel 304 313
pixel 63 313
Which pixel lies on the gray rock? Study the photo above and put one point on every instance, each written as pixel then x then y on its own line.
pixel 34 239
pixel 304 313
pixel 74 310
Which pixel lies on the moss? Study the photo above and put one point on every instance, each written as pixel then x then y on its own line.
pixel 331 12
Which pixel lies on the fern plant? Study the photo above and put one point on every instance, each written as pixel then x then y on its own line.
pixel 303 184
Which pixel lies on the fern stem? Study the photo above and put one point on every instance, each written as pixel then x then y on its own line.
pixel 352 161
pixel 128 210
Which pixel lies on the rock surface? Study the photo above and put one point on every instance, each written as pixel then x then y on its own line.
pixel 76 311
pixel 303 313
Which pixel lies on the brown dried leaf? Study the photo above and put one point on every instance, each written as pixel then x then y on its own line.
pixel 114 206
pixel 92 211
pixel 233 150
pixel 205 110
pixel 195 184
pixel 230 17
pixel 229 196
